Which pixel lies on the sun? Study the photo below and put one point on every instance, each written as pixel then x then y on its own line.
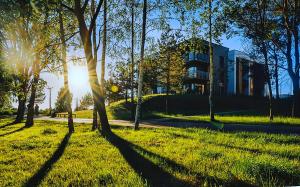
pixel 78 76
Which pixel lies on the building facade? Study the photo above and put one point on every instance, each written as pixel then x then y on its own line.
pixel 245 76
pixel 198 69
pixel 235 72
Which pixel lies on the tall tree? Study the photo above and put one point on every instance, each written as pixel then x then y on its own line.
pixel 93 9
pixel 211 67
pixel 141 66
pixel 85 35
pixel 65 69
pixel 253 19
pixel 132 59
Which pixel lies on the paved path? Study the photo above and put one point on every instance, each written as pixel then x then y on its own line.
pixel 113 122
pixel 165 123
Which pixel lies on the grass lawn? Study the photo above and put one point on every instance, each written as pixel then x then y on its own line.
pixel 45 154
pixel 234 119
pixel 237 110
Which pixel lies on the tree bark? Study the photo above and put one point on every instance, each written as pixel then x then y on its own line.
pixel 104 44
pixel 296 108
pixel 85 35
pixel 276 73
pixel 30 110
pixel 21 109
pixel 168 84
pixel 132 61
pixel 65 71
pixel 265 53
pixel 211 72
pixel 95 121
pixel 141 69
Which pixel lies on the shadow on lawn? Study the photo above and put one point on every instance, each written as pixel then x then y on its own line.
pixel 17 130
pixel 230 127
pixel 8 124
pixel 156 175
pixel 36 179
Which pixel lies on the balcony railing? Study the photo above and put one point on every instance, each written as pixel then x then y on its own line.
pixel 198 75
pixel 196 57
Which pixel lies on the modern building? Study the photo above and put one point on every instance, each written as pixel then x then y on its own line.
pixel 198 69
pixel 235 72
pixel 245 76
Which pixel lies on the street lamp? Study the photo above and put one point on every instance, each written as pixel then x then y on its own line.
pixel 50 89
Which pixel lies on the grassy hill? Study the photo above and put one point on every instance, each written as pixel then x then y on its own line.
pixel 194 105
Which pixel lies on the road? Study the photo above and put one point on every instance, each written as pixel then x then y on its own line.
pixel 166 123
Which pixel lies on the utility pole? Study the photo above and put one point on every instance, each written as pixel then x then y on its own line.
pixel 50 89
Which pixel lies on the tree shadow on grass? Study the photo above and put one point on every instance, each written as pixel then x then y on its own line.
pixel 230 127
pixel 155 175
pixel 17 130
pixel 37 178
pixel 8 124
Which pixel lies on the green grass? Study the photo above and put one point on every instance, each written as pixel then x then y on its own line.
pixel 190 156
pixel 229 109
pixel 252 120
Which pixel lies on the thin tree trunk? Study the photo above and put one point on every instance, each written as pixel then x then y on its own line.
pixel 95 121
pixel 65 71
pixel 132 60
pixel 296 91
pixel 168 84
pixel 104 44
pixel 98 96
pixel 21 109
pixel 212 76
pixel 30 111
pixel 141 68
pixel 276 73
pixel 268 82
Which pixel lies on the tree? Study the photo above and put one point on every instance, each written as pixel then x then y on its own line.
pixel 62 100
pixel 141 66
pixel 171 63
pixel 67 97
pixel 6 87
pixel 85 35
pixel 86 101
pixel 287 18
pixel 16 50
pixel 95 49
pixel 253 19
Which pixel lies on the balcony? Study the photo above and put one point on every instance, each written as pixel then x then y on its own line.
pixel 196 57
pixel 197 75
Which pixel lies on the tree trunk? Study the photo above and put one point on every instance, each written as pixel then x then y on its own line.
pixel 168 84
pixel 30 110
pixel 296 108
pixel 103 44
pixel 132 61
pixel 276 73
pixel 95 121
pixel 141 68
pixel 65 71
pixel 265 53
pixel 21 109
pixel 211 72
pixel 85 35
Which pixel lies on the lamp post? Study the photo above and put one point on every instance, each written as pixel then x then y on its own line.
pixel 50 89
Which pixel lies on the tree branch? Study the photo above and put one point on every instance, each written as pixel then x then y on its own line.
pixel 67 7
pixel 84 5
pixel 93 21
